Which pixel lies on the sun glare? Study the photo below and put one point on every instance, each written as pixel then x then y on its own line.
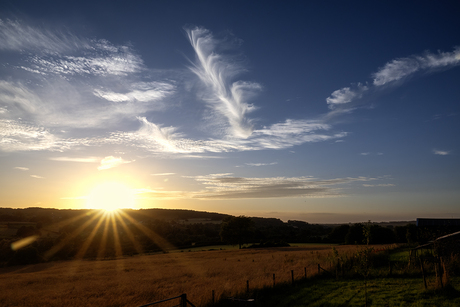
pixel 111 196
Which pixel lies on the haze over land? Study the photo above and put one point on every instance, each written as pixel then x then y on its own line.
pixel 324 112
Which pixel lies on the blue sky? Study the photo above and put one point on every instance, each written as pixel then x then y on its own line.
pixel 325 112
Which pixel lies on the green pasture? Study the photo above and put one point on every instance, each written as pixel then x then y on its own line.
pixel 400 291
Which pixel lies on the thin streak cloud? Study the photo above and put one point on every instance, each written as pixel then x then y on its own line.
pixel 78 160
pixel 21 168
pixel 225 186
pixel 163 174
pixel 441 152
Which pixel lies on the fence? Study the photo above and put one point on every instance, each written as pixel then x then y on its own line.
pixel 183 301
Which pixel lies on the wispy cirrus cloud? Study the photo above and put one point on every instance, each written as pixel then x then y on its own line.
pixel 20 136
pixel 393 73
pixel 68 88
pixel 225 186
pixel 18 36
pixel 157 139
pixel 90 84
pixel 403 67
pixel 37 177
pixel 225 96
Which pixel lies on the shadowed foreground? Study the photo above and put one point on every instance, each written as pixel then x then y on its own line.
pixel 139 280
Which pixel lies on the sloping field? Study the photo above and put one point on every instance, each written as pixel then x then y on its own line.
pixel 402 291
pixel 139 280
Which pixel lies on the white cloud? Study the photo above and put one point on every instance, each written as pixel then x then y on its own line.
pixel 20 136
pixel 75 159
pixel 111 162
pixel 82 84
pixel 261 164
pixel 143 92
pixel 18 36
pixel 403 67
pixel 68 78
pixel 22 168
pixel 37 177
pixel 390 73
pixel 157 139
pixel 163 174
pixel 122 62
pixel 441 152
pixel 227 98
pixel 379 185
pixel 346 95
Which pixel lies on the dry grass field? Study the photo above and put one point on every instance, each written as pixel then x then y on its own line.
pixel 138 280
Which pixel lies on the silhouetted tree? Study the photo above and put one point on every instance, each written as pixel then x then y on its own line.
pixel 237 230
pixel 412 233
pixel 355 234
pixel 338 234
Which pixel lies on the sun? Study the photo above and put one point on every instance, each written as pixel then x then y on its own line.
pixel 110 196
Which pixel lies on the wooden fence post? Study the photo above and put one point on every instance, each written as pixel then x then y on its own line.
pixel 319 269
pixel 292 276
pixel 247 286
pixel 183 300
pixel 273 279
pixel 213 297
pixel 305 271
pixel 423 271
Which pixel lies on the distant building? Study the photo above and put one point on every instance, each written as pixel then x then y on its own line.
pixel 423 222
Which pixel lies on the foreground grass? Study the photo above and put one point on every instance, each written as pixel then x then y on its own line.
pixel 401 291
pixel 138 280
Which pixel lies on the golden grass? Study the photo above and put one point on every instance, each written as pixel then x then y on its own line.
pixel 143 279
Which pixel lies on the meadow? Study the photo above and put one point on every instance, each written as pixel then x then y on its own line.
pixel 138 280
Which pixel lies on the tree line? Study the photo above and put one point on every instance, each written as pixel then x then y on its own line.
pixel 81 235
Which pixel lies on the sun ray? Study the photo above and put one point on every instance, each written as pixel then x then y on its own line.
pixel 81 253
pixel 118 248
pixel 187 265
pixel 102 247
pixel 29 240
pixel 157 239
pixel 130 235
pixel 72 235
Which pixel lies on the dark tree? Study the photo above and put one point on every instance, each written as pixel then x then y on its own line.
pixel 412 233
pixel 237 230
pixel 338 234
pixel 355 234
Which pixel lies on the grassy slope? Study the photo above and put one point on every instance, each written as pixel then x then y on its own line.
pixel 381 292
